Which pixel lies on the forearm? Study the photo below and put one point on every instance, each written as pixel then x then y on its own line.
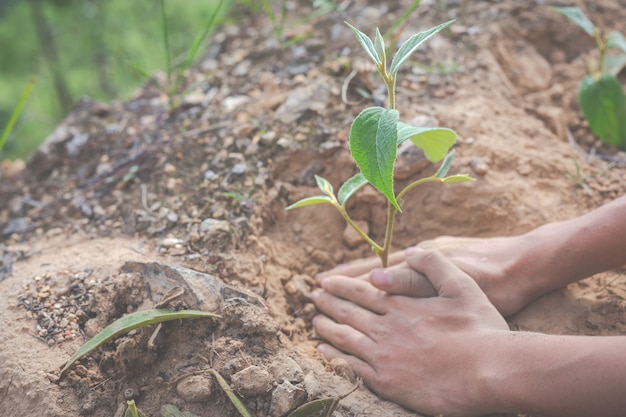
pixel 553 375
pixel 575 249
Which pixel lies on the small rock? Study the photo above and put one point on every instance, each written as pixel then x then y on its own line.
pixel 195 388
pixel 229 104
pixel 252 381
pixel 352 238
pixel 210 227
pixel 343 368
pixel 479 166
pixel 285 368
pixel 312 385
pixel 298 286
pixel 285 398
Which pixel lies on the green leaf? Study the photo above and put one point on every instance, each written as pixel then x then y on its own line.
pixel 132 410
pixel 17 111
pixel 309 201
pixel 445 165
pixel 434 141
pixel 616 40
pixel 604 106
pixel 576 16
pixel 169 410
pixel 412 44
pixel 130 322
pixel 325 186
pixel 231 394
pixel 614 64
pixel 379 45
pixel 458 178
pixel 367 44
pixel 350 187
pixel 373 144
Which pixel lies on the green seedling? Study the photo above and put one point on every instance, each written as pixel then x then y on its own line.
pixel 277 19
pixel 129 322
pixel 323 407
pixel 132 410
pixel 231 394
pixel 374 137
pixel 176 72
pixel 16 112
pixel 578 179
pixel 601 95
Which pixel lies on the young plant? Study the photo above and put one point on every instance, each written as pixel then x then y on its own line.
pixel 375 136
pixel 600 95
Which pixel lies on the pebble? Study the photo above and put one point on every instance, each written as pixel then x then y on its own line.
pixel 285 398
pixel 195 388
pixel 479 166
pixel 252 381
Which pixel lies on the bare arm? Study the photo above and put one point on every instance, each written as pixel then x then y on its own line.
pixel 515 270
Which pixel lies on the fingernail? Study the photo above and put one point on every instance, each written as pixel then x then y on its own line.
pixel 380 277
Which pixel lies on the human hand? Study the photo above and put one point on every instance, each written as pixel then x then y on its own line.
pixel 427 354
pixel 495 264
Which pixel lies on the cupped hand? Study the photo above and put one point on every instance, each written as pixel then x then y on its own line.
pixel 424 352
pixel 494 264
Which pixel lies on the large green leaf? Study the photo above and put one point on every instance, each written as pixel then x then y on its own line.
pixel 350 187
pixel 411 44
pixel 603 103
pixel 575 15
pixel 434 141
pixel 130 322
pixel 373 144
pixel 367 44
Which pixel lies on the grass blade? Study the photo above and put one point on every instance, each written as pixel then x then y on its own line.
pixel 16 112
pixel 231 394
pixel 130 322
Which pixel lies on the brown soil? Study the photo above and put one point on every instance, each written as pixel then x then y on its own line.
pixel 121 197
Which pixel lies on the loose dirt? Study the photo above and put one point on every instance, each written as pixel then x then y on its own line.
pixel 127 200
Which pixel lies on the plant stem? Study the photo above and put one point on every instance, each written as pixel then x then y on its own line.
pixel 361 233
pixel 415 184
pixel 391 221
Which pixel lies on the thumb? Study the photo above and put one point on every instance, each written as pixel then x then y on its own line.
pixel 402 281
pixel 445 277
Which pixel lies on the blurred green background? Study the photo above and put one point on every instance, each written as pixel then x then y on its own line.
pixel 84 47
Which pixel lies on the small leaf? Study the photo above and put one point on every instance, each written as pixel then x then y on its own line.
pixel 129 322
pixel 367 44
pixel 350 187
pixel 576 16
pixel 434 141
pixel 616 40
pixel 614 64
pixel 411 44
pixel 604 106
pixel 231 394
pixel 169 410
pixel 373 144
pixel 132 410
pixel 458 178
pixel 309 201
pixel 325 186
pixel 445 165
pixel 379 45
pixel 324 407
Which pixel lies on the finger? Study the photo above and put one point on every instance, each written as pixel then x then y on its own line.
pixel 343 337
pixel 402 281
pixel 358 292
pixel 361 266
pixel 445 277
